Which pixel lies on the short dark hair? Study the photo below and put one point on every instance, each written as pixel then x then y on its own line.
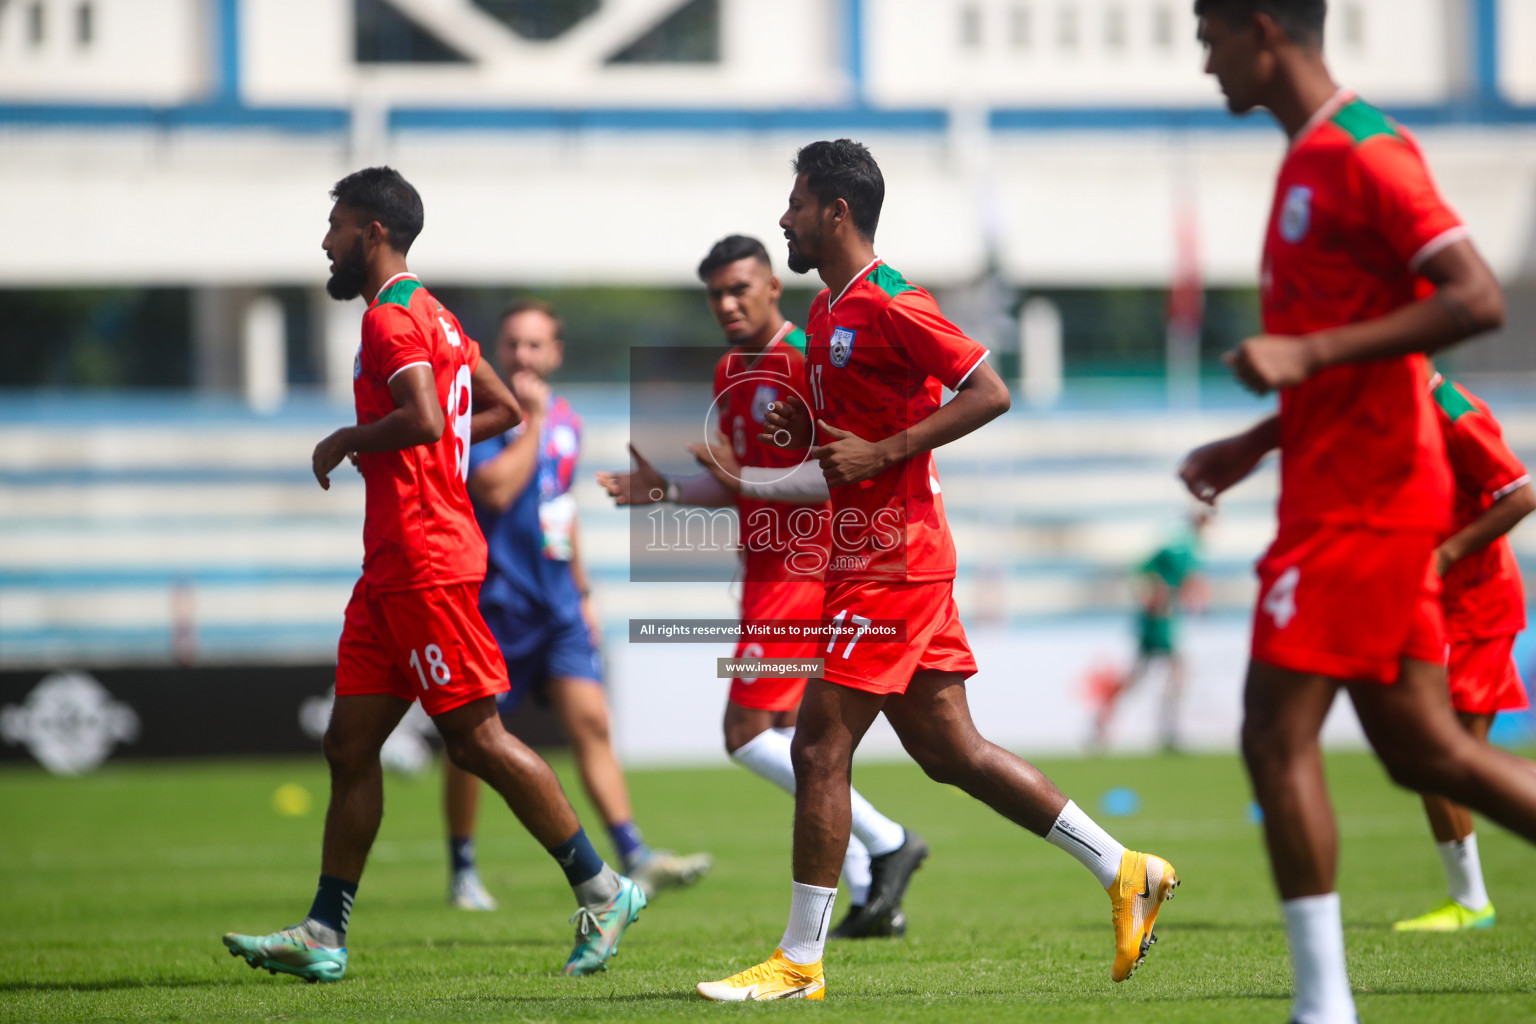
pixel 1302 20
pixel 845 170
pixel 730 249
pixel 517 306
pixel 382 194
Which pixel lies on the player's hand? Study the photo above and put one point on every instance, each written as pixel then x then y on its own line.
pixel 719 459
pixel 847 458
pixel 1271 362
pixel 327 456
pixel 788 425
pixel 531 392
pixel 1211 469
pixel 644 485
pixel 1443 561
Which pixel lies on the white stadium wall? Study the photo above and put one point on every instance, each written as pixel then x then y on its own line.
pixel 1056 149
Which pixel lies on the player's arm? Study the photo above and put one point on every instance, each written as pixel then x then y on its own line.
pixel 802 485
pixel 417 418
pixel 647 485
pixel 497 482
pixel 1211 469
pixel 1501 517
pixel 1467 301
pixel 849 459
pixel 584 586
pixel 495 409
pixel 1195 593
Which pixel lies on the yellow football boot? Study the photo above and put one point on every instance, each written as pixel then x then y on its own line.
pixel 1137 893
pixel 774 978
pixel 1449 916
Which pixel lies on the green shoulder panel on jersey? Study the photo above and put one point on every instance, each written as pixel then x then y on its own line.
pixel 1450 399
pixel 795 339
pixel 1362 121
pixel 890 281
pixel 400 292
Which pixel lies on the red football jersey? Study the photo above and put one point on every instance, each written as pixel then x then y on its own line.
pixel 1482 595
pixel 1355 215
pixel 779 542
pixel 876 357
pixel 419 529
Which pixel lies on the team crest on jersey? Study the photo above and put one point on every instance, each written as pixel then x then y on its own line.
pixel 1296 214
pixel 766 395
pixel 841 346
pixel 563 438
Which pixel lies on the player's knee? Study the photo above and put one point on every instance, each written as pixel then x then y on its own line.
pixel 466 750
pixel 739 733
pixel 1265 750
pixel 589 729
pixel 818 759
pixel 346 753
pixel 1428 769
pixel 944 770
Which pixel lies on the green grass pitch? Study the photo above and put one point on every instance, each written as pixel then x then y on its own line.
pixel 115 888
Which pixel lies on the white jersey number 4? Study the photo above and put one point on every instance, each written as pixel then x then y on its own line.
pixel 1280 600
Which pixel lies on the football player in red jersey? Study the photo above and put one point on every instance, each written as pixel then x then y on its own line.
pixel 1484 604
pixel 1365 268
pixel 781 500
pixel 878 352
pixel 535 600
pixel 413 629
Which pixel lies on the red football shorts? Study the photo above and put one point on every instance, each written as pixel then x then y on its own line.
pixel 1348 602
pixel 428 644
pixel 759 601
pixel 935 639
pixel 1483 677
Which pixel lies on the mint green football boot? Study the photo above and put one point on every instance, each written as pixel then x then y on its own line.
pixel 599 929
pixel 290 951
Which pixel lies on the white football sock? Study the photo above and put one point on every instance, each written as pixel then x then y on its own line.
pixel 879 834
pixel 325 934
pixel 856 872
pixel 598 889
pixel 1464 872
pixel 1314 926
pixel 810 908
pixel 1082 837
pixel 767 755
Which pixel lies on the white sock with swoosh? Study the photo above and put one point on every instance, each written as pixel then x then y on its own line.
pixel 810 911
pixel 1082 837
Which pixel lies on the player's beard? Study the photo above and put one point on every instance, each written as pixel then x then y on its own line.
pixel 798 260
pixel 350 275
